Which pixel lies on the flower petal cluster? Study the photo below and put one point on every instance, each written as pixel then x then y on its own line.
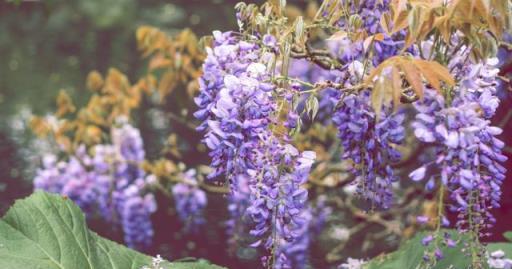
pixel 108 182
pixel 367 16
pixel 469 156
pixel 278 200
pixel 235 103
pixel 237 108
pixel 370 144
pixel 497 260
pixel 190 201
pixel 469 153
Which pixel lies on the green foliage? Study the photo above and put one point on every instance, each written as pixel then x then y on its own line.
pixel 410 254
pixel 508 235
pixel 505 246
pixel 47 231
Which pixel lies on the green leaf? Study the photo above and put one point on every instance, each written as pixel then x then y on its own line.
pixel 410 255
pixel 47 231
pixel 508 235
pixel 505 246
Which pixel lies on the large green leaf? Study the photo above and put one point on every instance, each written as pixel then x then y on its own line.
pixel 505 246
pixel 410 256
pixel 508 235
pixel 46 231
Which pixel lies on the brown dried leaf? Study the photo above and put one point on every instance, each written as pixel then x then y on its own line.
pixel 158 62
pixel 442 72
pixel 429 74
pixel 412 75
pixel 64 104
pixel 396 82
pixel 94 81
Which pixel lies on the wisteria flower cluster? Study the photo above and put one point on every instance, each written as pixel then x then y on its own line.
pixel 497 260
pixel 190 201
pixel 469 155
pixel 238 110
pixel 371 145
pixel 108 182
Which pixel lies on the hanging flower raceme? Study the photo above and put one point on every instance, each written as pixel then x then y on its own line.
pixel 190 201
pixel 370 144
pixel 135 212
pixel 238 109
pixel 237 226
pixel 468 151
pixel 69 178
pixel 278 200
pixel 366 15
pixel 235 102
pixel 108 182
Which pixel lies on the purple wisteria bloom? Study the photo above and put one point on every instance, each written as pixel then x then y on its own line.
pixel 278 201
pixel 468 151
pixel 369 15
pixel 370 144
pixel 190 201
pixel 107 181
pixel 234 102
pixel 237 109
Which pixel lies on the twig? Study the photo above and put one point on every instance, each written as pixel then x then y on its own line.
pixel 506 119
pixel 181 120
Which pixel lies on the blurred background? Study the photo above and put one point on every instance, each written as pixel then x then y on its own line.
pixel 46 46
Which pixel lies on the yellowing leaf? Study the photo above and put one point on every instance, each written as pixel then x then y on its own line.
pixel 64 104
pixel 40 127
pixel 159 62
pixel 340 35
pixel 429 74
pixel 371 39
pixel 441 71
pixel 414 70
pixel 385 23
pixel 396 83
pixel 167 84
pixel 399 8
pixel 94 81
pixel 413 76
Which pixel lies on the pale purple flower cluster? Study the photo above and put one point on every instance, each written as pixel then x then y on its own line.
pixel 369 13
pixel 352 264
pixel 313 219
pixel 190 201
pixel 370 143
pixel 69 178
pixel 234 103
pixel 237 107
pixel 135 212
pixel 468 152
pixel 108 182
pixel 295 254
pixel 278 201
pixel 238 202
pixel 497 260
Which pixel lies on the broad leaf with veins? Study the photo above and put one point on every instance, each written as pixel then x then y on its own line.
pixel 47 231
